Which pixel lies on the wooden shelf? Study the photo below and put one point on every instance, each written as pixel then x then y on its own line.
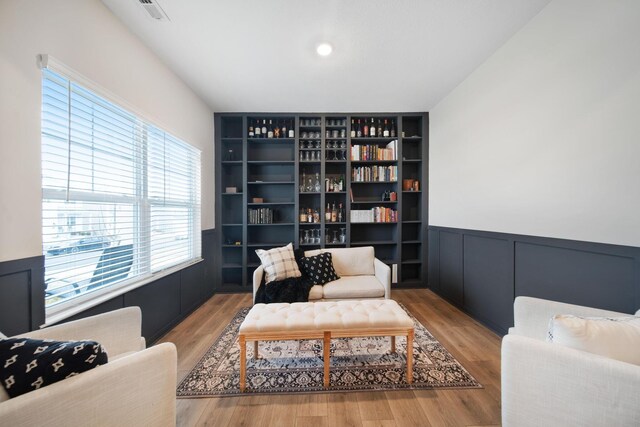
pixel 269 168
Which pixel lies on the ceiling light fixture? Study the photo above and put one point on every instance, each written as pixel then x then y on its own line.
pixel 324 49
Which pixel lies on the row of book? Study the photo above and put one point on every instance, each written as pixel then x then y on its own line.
pixel 374 152
pixel 374 174
pixel 261 216
pixel 377 214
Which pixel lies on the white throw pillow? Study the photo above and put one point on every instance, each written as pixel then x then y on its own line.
pixel 279 263
pixel 614 337
pixel 2 336
pixel 638 313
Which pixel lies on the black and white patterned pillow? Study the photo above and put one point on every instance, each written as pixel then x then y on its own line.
pixel 28 364
pixel 319 269
pixel 278 263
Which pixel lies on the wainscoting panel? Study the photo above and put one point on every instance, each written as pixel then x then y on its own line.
pixel 164 302
pixel 489 260
pixel 191 287
pixel 579 277
pixel 160 305
pixel 451 267
pixel 482 272
pixel 21 295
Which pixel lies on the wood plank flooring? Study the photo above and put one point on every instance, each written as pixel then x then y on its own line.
pixel 477 348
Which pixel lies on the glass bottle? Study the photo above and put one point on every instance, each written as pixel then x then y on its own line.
pixel 358 130
pixel 309 186
pixel 257 131
pixel 309 215
pixel 316 186
pixel 303 215
pixel 372 129
pixel 353 129
pixel 393 128
pixel 327 214
pixel 365 130
pixel 276 131
pixel 340 217
pixel 343 235
pixel 251 134
pixel 334 213
pixel 264 128
pixel 291 131
pixel 332 185
pixel 385 132
pixel 316 216
pixel 283 131
pixel 306 236
pixel 270 129
pixel 302 182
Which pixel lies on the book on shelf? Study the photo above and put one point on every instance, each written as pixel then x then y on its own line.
pixel 261 216
pixel 379 214
pixel 374 173
pixel 374 152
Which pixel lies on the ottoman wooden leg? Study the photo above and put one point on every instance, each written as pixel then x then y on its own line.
pixel 410 356
pixel 393 343
pixel 255 350
pixel 243 362
pixel 326 356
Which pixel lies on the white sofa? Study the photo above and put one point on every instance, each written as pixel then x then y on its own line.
pixel 545 384
pixel 362 276
pixel 137 387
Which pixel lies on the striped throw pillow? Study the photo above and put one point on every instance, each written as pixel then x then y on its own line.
pixel 279 263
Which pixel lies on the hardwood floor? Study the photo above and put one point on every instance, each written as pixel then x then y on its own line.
pixel 477 348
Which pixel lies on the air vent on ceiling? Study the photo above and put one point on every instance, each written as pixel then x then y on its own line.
pixel 154 10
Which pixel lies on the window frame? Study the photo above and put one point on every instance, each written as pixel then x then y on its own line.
pixel 140 202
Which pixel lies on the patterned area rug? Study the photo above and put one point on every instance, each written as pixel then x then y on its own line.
pixel 296 366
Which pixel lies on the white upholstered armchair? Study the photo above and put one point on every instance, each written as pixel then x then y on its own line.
pixel 137 387
pixel 545 384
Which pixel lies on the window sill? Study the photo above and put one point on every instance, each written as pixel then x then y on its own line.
pixel 62 313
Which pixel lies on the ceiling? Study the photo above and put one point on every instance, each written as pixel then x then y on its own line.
pixel 388 55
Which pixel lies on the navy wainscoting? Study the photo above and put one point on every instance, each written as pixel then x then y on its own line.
pixel 482 272
pixel 164 302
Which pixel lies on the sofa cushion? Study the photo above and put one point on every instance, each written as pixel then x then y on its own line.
pixel 315 293
pixel 349 287
pixel 313 252
pixel 279 263
pixel 614 337
pixel 318 269
pixel 353 261
pixel 28 364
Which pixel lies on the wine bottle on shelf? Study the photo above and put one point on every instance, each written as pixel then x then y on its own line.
pixel 251 134
pixel 309 215
pixel 283 131
pixel 359 130
pixel 332 185
pixel 385 132
pixel 303 215
pixel 393 128
pixel 340 215
pixel 276 130
pixel 257 130
pixel 342 184
pixel 334 213
pixel 316 216
pixel 380 131
pixel 264 128
pixel 365 130
pixel 327 214
pixel 270 129
pixel 372 129
pixel 353 129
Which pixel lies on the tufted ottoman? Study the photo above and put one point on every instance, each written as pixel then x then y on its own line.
pixel 325 320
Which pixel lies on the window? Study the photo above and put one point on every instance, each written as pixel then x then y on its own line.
pixel 120 197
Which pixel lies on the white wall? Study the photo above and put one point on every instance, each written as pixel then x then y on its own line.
pixel 544 138
pixel 84 35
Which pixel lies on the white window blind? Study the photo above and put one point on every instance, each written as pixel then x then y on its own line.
pixel 120 197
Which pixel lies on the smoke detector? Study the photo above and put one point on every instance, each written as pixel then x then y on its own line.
pixel 154 10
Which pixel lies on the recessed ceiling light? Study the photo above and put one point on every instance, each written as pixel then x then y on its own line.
pixel 324 49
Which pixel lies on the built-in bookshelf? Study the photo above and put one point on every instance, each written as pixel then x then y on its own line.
pixel 321 181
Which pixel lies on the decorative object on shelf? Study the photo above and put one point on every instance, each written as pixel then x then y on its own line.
pixel 257 200
pixel 230 156
pixel 407 185
pixel 261 216
pixel 231 190
pixel 416 185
